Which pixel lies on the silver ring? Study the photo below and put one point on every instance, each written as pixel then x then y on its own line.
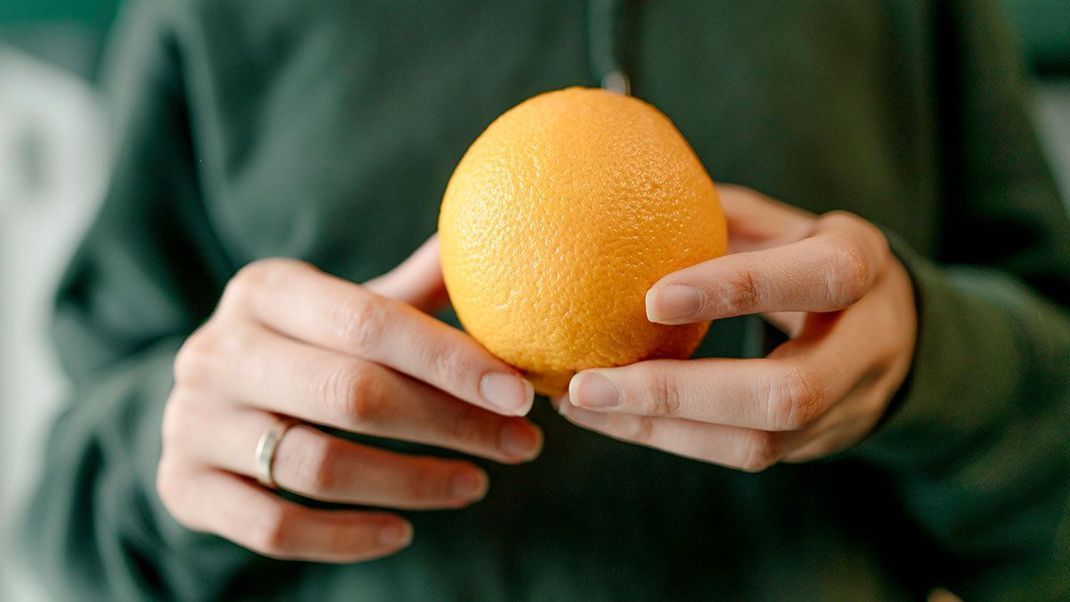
pixel 265 451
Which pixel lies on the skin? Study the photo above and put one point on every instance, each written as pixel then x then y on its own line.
pixel 829 283
pixel 289 340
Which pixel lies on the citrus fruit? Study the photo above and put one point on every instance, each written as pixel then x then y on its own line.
pixel 557 221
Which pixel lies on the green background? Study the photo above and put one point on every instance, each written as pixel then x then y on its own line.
pixel 71 33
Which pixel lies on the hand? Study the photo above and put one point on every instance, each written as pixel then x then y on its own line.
pixel 828 282
pixel 289 340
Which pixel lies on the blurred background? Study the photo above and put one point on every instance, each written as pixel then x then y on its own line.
pixel 53 163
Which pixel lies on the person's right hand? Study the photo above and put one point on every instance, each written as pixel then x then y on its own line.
pixel 290 341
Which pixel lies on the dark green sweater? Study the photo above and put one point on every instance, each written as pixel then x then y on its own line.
pixel 326 130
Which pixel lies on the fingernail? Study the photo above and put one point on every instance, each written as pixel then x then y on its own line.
pixel 468 484
pixel 519 441
pixel 592 390
pixel 672 302
pixel 508 393
pixel 395 535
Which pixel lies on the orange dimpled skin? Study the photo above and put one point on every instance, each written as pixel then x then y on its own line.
pixel 558 220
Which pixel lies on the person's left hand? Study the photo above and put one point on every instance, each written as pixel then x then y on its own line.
pixel 827 281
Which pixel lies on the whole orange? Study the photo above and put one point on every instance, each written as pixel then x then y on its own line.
pixel 558 220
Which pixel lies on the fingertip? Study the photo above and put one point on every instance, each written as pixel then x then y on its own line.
pixel 572 384
pixel 651 301
pixel 396 534
pixel 558 403
pixel 469 484
pixel 520 441
pixel 529 396
pixel 591 389
pixel 540 440
pixel 673 303
pixel 507 394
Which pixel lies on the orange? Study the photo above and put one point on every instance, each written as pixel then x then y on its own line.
pixel 558 220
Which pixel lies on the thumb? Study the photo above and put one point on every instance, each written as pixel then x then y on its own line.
pixel 416 281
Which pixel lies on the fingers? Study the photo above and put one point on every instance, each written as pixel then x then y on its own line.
pixel 813 395
pixel 745 449
pixel 887 325
pixel 825 282
pixel 758 393
pixel 829 270
pixel 416 281
pixel 332 469
pixel 245 513
pixel 320 466
pixel 301 302
pixel 787 391
pixel 756 221
pixel 253 366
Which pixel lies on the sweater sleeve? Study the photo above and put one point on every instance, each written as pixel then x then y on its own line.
pixel 977 440
pixel 147 273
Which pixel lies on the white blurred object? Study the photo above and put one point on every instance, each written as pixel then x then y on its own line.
pixel 53 168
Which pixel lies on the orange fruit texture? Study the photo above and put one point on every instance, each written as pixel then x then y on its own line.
pixel 558 220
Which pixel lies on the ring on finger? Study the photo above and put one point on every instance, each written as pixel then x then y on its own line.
pixel 266 448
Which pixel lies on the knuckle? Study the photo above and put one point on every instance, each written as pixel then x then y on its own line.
pixel 176 421
pixel 360 320
pixel 248 279
pixel 167 483
pixel 848 278
pixel 740 292
pixel 271 531
pixel 354 394
pixel 643 430
pixel 238 288
pixel 664 396
pixel 839 216
pixel 794 400
pixel 760 451
pixel 851 221
pixel 203 351
pixel 446 362
pixel 194 358
pixel 257 276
